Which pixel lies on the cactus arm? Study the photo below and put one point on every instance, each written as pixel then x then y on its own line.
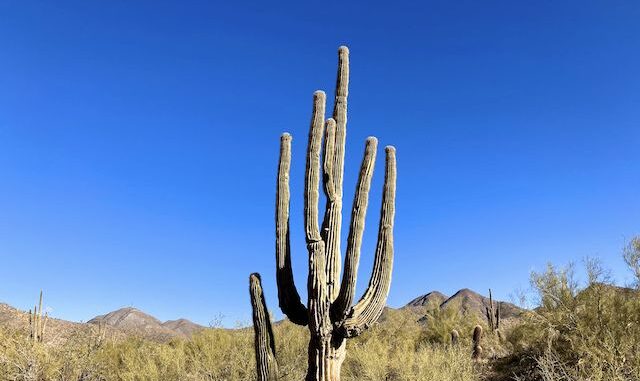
pixel 333 213
pixel 329 153
pixel 318 302
pixel 340 113
pixel 44 326
pixel 312 175
pixel 39 325
pixel 265 348
pixel 35 322
pixel 354 242
pixel 31 324
pixel 370 306
pixel 288 296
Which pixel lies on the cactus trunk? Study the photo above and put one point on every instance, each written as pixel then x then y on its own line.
pixel 325 359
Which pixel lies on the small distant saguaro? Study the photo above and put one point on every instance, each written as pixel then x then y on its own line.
pixel 329 312
pixel 477 347
pixel 37 322
pixel 493 315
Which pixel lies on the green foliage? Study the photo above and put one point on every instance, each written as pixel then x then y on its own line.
pixel 392 351
pixel 583 333
pixel 396 350
pixel 439 322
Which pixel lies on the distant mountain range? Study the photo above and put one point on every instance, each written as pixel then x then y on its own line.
pixel 122 322
pixel 468 301
pixel 131 321
pixel 430 298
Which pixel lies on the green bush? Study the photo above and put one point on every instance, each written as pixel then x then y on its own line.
pixel 583 333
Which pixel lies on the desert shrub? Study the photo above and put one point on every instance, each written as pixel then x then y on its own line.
pixel 391 351
pixel 291 348
pixel 21 360
pixel 583 333
pixel 220 354
pixel 395 350
pixel 438 323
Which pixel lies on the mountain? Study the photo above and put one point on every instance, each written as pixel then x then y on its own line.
pixel 128 318
pixel 466 300
pixel 431 298
pixel 183 326
pixel 472 302
pixel 132 320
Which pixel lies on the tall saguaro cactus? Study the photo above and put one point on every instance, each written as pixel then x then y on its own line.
pixel 329 312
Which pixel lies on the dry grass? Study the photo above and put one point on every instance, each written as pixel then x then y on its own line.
pixel 392 351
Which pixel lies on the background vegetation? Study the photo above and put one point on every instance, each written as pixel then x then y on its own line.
pixel 578 332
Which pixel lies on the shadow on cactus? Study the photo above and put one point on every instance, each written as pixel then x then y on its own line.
pixel 329 312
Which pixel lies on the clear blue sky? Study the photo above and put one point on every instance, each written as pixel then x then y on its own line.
pixel 139 143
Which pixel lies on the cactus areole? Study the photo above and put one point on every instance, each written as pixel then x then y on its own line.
pixel 329 312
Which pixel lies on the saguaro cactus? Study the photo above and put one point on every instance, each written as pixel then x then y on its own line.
pixel 329 312
pixel 493 315
pixel 266 364
pixel 37 322
pixel 455 337
pixel 477 348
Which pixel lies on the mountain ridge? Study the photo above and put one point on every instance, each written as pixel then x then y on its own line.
pixel 468 301
pixel 134 320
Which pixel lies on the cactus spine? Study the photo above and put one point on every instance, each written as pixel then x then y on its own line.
pixel 477 348
pixel 37 322
pixel 329 312
pixel 266 364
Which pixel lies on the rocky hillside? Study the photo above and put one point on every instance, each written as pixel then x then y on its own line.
pixel 119 323
pixel 57 330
